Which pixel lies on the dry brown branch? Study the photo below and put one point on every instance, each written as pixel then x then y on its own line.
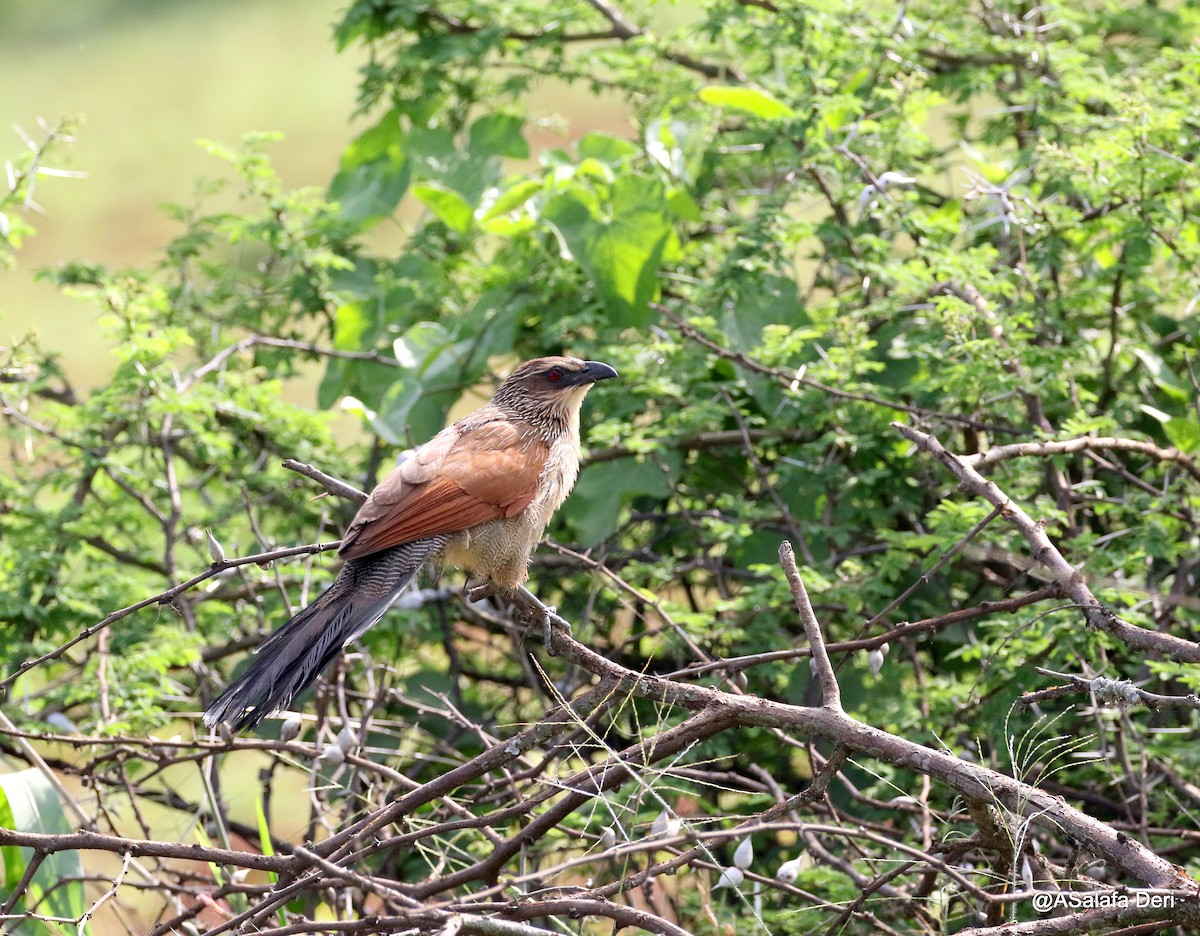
pixel 95 841
pixel 517 803
pixel 164 597
pixel 265 341
pixel 1065 576
pixel 1108 691
pixel 831 695
pixel 1082 444
pixel 791 381
pixel 331 484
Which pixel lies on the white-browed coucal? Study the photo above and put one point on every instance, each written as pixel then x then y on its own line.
pixel 478 496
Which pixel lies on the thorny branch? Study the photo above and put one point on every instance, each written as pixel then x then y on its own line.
pixel 471 896
pixel 1070 581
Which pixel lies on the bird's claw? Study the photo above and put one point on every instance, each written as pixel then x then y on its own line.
pixel 549 619
pixel 525 608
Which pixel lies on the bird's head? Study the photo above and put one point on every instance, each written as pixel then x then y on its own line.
pixel 550 388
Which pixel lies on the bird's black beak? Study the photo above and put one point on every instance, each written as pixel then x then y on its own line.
pixel 593 371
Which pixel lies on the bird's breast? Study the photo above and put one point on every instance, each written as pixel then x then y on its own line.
pixel 499 550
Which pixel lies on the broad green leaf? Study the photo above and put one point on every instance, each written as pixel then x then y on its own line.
pixel 1184 433
pixel 29 803
pixel 512 198
pixel 374 172
pixel 1164 378
pixel 620 243
pixel 761 301
pixel 839 111
pixel 448 205
pixel 751 100
pixel 355 407
pixel 351 326
pixel 371 191
pixel 416 403
pixel 498 135
pixel 684 206
pixel 606 148
pixel 438 158
pixel 594 169
pixel 382 141
pixel 507 227
pixel 594 506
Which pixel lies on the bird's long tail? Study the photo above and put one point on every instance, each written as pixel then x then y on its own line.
pixel 294 656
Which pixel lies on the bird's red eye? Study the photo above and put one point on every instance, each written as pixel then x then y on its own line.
pixel 554 375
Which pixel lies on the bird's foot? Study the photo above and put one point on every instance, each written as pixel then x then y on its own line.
pixel 526 609
pixel 534 612
pixel 548 615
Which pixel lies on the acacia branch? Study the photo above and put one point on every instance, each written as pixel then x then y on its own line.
pixel 1083 444
pixel 1120 691
pixel 623 29
pixel 265 341
pixel 831 694
pixel 899 632
pixel 792 380
pixel 716 711
pixel 331 484
pixel 969 780
pixel 141 848
pixel 1043 551
pixel 164 597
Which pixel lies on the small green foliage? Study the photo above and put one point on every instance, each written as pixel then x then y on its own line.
pixel 814 221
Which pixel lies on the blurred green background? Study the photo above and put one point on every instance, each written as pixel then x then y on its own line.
pixel 149 78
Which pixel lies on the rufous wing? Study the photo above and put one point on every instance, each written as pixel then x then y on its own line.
pixel 460 478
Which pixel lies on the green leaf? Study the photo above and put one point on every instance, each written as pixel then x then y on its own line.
pixel 206 842
pixel 839 111
pixel 593 509
pixel 352 326
pixel 438 158
pixel 751 100
pixel 606 148
pixel 448 205
pixel 264 834
pixel 684 206
pixel 512 198
pixel 370 192
pixel 1184 433
pixel 438 364
pixel 498 135
pixel 14 862
pixel 619 243
pixel 761 301
pixel 29 803
pixel 1164 378
pixel 374 172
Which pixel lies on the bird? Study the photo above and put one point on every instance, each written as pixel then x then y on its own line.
pixel 477 496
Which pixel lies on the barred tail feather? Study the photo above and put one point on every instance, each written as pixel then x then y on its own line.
pixel 294 656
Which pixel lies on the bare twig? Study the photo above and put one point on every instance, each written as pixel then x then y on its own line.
pixel 1068 579
pixel 1083 444
pixel 264 341
pixel 163 597
pixel 1119 691
pixel 790 381
pixel 831 695
pixel 141 848
pixel 331 484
